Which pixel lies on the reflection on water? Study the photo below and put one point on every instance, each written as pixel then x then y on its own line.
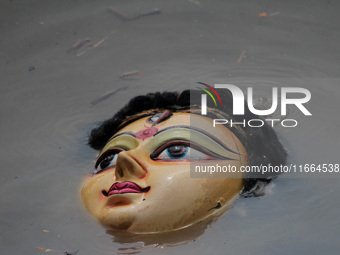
pixel 161 240
pixel 46 114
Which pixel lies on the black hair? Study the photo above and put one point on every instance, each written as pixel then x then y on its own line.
pixel 261 143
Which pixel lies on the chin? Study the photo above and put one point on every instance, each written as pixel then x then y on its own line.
pixel 117 220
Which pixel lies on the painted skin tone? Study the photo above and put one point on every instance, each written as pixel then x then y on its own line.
pixel 142 182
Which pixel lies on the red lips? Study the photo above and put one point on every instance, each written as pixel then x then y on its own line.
pixel 125 187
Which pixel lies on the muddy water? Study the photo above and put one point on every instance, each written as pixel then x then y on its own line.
pixel 46 113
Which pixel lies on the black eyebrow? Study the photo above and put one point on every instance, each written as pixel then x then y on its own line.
pixel 202 132
pixel 124 133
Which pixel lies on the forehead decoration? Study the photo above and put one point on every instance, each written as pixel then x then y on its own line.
pixel 146 133
pixel 154 120
pixel 159 117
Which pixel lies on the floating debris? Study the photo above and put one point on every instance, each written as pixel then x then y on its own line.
pixel 128 74
pixel 241 57
pixel 143 14
pixel 274 14
pixel 119 14
pixel 92 47
pixel 195 2
pixel 124 17
pixel 100 42
pixel 132 73
pixel 31 68
pixel 78 45
pixel 59 252
pixel 106 96
pixel 263 14
pixel 70 253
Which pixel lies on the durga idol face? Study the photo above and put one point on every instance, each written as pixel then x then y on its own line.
pixel 142 181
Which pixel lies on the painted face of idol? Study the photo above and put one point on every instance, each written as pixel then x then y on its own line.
pixel 142 180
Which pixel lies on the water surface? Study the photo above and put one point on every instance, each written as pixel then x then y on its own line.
pixel 46 113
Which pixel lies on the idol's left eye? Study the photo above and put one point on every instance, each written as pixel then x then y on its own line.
pixel 176 151
pixel 181 150
pixel 107 160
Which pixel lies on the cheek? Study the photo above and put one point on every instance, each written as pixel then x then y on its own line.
pixel 177 200
pixel 223 189
pixel 173 186
pixel 168 176
pixel 91 192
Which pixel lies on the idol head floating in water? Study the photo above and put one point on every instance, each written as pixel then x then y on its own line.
pixel 142 181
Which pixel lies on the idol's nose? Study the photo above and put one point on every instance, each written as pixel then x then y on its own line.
pixel 127 167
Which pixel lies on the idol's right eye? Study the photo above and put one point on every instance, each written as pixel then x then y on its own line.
pixel 183 150
pixel 107 160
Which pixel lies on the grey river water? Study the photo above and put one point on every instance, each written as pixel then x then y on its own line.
pixel 46 113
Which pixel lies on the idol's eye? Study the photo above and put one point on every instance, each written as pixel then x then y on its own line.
pixel 107 160
pixel 182 150
pixel 176 151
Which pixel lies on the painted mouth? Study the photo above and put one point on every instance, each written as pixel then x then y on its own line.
pixel 125 187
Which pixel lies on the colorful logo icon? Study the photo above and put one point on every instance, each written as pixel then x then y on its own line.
pixel 209 93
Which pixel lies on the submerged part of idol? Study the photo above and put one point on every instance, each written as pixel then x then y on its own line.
pixel 141 182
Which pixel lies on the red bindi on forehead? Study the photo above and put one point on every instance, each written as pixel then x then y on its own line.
pixel 150 131
pixel 146 133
